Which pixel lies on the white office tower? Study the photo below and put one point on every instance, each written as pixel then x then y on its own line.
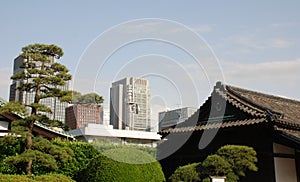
pixel 57 107
pixel 105 114
pixel 129 104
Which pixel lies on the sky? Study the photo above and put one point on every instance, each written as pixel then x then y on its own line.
pixel 181 47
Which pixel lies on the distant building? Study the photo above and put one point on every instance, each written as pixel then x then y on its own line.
pixel 129 104
pixel 90 132
pixel 173 117
pixel 105 115
pixel 77 115
pixel 57 107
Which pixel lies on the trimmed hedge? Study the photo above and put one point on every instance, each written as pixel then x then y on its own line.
pixel 129 165
pixel 42 178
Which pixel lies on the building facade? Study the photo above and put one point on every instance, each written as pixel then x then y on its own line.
pixel 57 107
pixel 105 115
pixel 77 115
pixel 129 104
pixel 173 117
pixel 90 132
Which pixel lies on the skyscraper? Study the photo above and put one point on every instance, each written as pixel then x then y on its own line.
pixel 129 104
pixel 57 107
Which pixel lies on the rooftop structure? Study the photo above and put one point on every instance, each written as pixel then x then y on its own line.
pixel 95 131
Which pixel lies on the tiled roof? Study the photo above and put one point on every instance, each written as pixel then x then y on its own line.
pixel 281 112
pixel 38 124
pixel 287 110
pixel 215 125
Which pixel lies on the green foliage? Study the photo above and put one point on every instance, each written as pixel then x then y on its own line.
pixel 83 153
pixel 90 98
pixel 15 178
pixel 186 173
pixel 215 165
pixel 42 178
pixel 53 177
pixel 44 78
pixel 15 108
pixel 231 161
pixel 44 154
pixel 103 168
pixel 241 158
pixel 130 155
pixel 10 146
pixel 104 145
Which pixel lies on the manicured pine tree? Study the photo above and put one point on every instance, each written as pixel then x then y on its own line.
pixel 43 77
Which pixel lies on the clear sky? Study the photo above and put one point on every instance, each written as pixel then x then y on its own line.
pixel 256 43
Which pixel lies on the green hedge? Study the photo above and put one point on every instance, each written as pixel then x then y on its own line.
pixel 83 153
pixel 42 178
pixel 124 164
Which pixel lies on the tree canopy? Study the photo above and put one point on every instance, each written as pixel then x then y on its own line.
pixel 232 161
pixel 43 77
pixel 89 98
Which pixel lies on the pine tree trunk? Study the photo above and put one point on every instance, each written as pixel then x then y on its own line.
pixel 30 127
pixel 28 167
pixel 29 146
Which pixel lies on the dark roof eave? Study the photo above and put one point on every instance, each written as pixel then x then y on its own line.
pixel 215 125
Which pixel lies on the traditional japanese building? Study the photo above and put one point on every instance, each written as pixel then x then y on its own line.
pixel 6 120
pixel 231 115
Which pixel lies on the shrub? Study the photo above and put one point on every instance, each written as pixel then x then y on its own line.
pixel 42 178
pixel 104 145
pixel 83 153
pixel 231 161
pixel 241 158
pixel 15 178
pixel 53 177
pixel 129 165
pixel 186 173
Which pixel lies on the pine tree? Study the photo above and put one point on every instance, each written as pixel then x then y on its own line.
pixel 43 77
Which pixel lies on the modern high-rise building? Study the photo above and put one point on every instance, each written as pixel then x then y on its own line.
pixel 105 114
pixel 129 104
pixel 173 117
pixel 57 107
pixel 78 115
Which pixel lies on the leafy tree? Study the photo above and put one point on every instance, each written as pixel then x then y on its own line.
pixel 215 165
pixel 90 98
pixel 231 161
pixel 10 146
pixel 186 173
pixel 241 158
pixel 43 78
pixel 83 153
